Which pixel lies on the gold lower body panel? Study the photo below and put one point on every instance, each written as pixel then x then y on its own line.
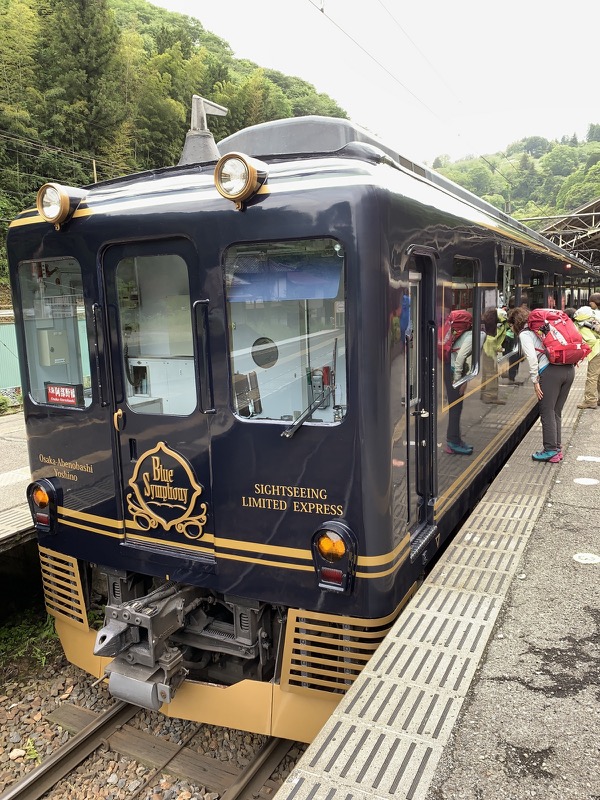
pixel 323 654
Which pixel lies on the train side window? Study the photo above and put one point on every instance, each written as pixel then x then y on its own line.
pixel 54 322
pixel 286 327
pixel 557 293
pixel 538 289
pixel 156 332
pixel 569 295
pixel 460 331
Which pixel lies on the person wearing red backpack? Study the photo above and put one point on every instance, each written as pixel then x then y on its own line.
pixel 589 325
pixel 551 383
pixel 455 349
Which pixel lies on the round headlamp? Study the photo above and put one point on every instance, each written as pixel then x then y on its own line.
pixel 53 203
pixel 238 177
pixel 56 203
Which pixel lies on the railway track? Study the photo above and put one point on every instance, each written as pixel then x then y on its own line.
pixel 43 777
pixel 109 729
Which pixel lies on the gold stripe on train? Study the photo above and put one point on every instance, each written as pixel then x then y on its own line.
pixel 393 558
pixel 36 218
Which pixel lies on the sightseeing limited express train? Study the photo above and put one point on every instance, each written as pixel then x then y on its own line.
pixel 236 412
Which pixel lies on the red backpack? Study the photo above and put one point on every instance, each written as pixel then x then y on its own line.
pixel 455 324
pixel 562 342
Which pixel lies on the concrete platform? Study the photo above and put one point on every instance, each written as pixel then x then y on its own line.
pixel 15 519
pixel 487 686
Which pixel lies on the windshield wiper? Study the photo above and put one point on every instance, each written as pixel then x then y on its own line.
pixel 307 413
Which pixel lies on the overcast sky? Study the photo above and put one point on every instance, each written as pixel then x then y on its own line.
pixel 430 77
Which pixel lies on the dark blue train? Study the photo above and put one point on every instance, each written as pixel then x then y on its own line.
pixel 237 411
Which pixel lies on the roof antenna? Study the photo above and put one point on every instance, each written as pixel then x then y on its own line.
pixel 199 142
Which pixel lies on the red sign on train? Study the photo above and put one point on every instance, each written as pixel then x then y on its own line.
pixel 64 394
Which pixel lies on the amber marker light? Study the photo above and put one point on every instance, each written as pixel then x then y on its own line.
pixel 41 495
pixel 331 546
pixel 334 549
pixel 238 177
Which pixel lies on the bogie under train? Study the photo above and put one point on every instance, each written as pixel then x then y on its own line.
pixel 236 409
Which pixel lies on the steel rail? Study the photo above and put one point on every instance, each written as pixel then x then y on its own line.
pixel 42 778
pixel 270 755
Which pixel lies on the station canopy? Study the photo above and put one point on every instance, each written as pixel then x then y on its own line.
pixel 578 232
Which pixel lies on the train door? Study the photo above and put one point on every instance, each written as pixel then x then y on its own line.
pixel 419 391
pixel 159 419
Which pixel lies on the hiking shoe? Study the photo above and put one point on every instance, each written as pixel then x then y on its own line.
pixel 557 458
pixel 587 405
pixel 461 449
pixel 546 455
pixel 513 381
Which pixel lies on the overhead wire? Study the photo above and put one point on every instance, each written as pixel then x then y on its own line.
pixel 441 78
pixel 321 8
pixel 36 143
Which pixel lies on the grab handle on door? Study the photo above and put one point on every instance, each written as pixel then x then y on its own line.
pixel 100 354
pixel 201 322
pixel 119 419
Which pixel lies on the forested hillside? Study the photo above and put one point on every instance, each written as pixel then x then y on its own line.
pixel 535 177
pixel 93 90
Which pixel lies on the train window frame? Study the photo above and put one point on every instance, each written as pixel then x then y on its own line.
pixel 508 289
pixel 285 304
pixel 55 323
pixel 457 302
pixel 557 292
pixel 538 279
pixel 157 334
pixel 569 292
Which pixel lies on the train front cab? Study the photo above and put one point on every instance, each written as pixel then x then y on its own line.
pixel 200 410
pixel 144 386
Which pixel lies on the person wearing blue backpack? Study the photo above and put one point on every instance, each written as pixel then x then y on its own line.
pixel 551 383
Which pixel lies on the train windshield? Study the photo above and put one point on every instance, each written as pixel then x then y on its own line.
pixel 55 328
pixel 287 340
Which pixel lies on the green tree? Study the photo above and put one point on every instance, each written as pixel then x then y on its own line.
pixel 441 161
pixel 159 124
pixel 81 75
pixel 526 179
pixel 535 146
pixel 251 102
pixel 303 98
pixel 561 160
pixel 579 188
pixel 479 179
pixel 593 134
pixel 497 200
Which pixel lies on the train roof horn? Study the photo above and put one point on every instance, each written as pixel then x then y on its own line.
pixel 199 143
